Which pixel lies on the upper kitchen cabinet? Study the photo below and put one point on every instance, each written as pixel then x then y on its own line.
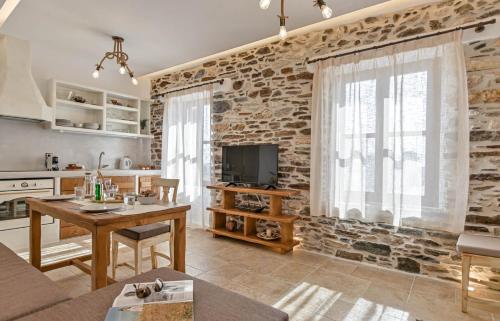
pixel 83 109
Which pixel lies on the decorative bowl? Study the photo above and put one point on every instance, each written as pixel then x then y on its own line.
pixel 146 200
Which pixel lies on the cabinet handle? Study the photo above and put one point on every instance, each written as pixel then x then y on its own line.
pixel 24 184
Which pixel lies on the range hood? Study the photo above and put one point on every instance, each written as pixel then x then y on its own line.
pixel 20 97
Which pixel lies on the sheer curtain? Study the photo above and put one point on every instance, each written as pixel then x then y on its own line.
pixel 390 136
pixel 186 148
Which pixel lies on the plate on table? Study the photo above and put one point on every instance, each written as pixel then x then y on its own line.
pixel 101 208
pixel 53 198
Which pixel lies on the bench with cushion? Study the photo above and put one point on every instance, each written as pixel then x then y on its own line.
pixel 24 289
pixel 480 250
pixel 40 299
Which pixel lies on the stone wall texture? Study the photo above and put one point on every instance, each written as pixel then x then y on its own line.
pixel 270 102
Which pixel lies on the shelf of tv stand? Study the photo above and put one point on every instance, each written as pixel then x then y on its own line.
pixel 256 190
pixel 249 232
pixel 254 239
pixel 264 215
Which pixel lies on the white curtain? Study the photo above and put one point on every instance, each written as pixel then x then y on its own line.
pixel 390 136
pixel 186 148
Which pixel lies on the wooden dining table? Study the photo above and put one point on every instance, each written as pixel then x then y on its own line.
pixel 101 225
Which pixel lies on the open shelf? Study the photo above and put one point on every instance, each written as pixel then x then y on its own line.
pixel 118 115
pixel 256 190
pixel 117 107
pixel 254 239
pixel 75 104
pixel 260 216
pixel 121 121
pixel 249 228
pixel 75 129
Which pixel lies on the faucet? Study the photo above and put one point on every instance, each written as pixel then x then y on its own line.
pixel 100 165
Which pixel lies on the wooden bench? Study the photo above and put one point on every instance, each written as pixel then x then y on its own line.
pixel 478 250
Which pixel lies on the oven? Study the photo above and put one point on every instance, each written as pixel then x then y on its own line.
pixel 14 212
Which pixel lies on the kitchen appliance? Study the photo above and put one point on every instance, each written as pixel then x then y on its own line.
pixel 250 164
pixel 14 212
pixel 125 163
pixel 51 162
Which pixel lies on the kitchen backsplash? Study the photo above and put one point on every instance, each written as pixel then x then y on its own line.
pixel 24 144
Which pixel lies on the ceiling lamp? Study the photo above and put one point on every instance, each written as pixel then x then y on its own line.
pixel 121 59
pixel 325 11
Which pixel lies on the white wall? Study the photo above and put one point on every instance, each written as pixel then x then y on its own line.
pixel 24 144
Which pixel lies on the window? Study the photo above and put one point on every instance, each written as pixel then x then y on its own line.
pixel 186 148
pixel 390 136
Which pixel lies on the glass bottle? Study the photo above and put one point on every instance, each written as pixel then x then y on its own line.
pixel 98 190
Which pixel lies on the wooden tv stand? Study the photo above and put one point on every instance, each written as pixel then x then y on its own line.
pixel 218 226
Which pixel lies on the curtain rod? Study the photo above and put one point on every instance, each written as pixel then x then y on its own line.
pixel 219 81
pixel 479 28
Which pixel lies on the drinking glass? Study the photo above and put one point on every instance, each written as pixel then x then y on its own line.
pixel 107 184
pixel 80 193
pixel 129 199
pixel 113 190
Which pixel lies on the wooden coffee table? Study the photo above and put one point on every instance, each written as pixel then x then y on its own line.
pixel 101 225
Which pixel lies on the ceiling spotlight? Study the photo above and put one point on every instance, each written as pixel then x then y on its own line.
pixel 321 4
pixel 283 33
pixel 95 74
pixel 264 4
pixel 121 59
pixel 325 10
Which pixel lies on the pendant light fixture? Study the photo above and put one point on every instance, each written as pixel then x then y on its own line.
pixel 326 12
pixel 121 60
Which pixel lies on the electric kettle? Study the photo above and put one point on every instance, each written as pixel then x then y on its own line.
pixel 125 163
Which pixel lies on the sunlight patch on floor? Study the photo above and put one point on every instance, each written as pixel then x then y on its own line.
pixel 59 252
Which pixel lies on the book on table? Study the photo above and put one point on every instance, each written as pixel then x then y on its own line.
pixel 173 303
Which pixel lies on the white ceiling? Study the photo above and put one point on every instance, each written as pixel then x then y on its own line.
pixel 158 33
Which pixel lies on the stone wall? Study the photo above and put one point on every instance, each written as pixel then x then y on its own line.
pixel 271 103
pixel 483 74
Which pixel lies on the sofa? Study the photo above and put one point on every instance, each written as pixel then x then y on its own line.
pixel 27 295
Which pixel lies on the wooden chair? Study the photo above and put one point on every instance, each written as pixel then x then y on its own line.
pixel 478 250
pixel 150 235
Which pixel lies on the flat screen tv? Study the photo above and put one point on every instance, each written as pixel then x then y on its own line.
pixel 256 165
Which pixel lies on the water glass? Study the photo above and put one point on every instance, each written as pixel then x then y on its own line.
pixel 107 184
pixel 80 193
pixel 113 190
pixel 129 199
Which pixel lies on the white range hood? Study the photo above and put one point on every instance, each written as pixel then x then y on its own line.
pixel 20 97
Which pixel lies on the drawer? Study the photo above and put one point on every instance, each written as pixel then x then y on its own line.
pixel 69 184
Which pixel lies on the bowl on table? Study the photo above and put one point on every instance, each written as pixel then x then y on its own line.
pixel 146 200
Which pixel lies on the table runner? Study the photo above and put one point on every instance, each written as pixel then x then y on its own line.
pixel 131 209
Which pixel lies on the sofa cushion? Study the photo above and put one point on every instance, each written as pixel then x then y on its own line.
pixel 24 289
pixel 143 232
pixel 211 303
pixel 479 245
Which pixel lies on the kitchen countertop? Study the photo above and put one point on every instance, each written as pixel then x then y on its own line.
pixel 77 173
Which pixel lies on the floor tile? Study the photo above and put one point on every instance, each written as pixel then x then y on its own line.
pixel 340 266
pixel 292 272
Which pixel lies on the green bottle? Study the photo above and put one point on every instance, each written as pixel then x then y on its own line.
pixel 98 190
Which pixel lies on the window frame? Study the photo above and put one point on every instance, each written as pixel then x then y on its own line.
pixel 383 75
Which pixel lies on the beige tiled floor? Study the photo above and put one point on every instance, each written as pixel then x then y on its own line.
pixel 307 286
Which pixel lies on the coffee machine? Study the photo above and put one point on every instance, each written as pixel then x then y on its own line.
pixel 51 162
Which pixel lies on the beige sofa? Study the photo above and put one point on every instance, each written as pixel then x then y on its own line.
pixel 26 294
